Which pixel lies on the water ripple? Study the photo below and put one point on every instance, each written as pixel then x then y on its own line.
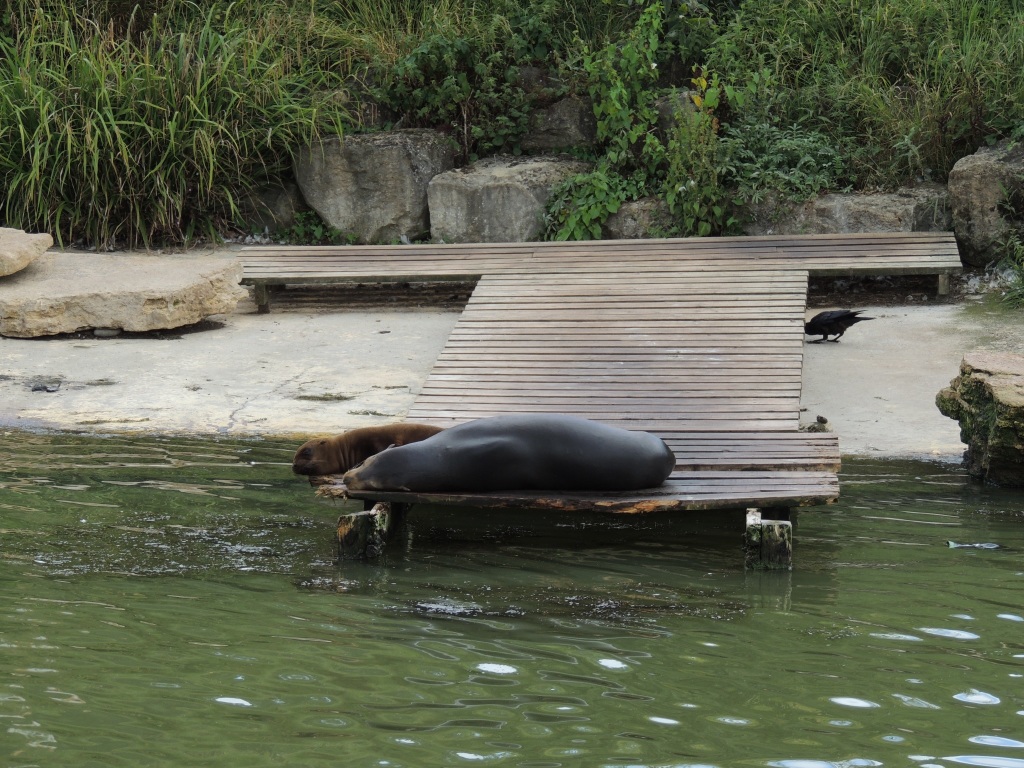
pixel 974 696
pixel 996 741
pixel 953 634
pixel 233 701
pixel 912 701
pixel 848 701
pixel 497 669
pixel 856 762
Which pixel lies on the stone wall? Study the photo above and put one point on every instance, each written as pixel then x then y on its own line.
pixel 403 185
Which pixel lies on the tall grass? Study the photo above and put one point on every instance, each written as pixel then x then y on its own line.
pixel 382 32
pixel 905 87
pixel 108 139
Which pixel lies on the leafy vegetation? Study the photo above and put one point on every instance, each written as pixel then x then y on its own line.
pixel 695 190
pixel 1013 260
pixel 139 121
pixel 621 76
pixel 152 135
pixel 309 229
pixel 900 89
pixel 454 84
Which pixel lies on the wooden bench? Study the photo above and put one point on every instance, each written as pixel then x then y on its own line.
pixel 900 253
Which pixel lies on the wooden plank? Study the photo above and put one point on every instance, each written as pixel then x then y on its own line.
pixel 684 491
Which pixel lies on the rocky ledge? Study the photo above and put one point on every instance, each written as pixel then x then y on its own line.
pixel 62 292
pixel 19 249
pixel 987 398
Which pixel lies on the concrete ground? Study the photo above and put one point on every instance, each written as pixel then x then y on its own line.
pixel 320 370
pixel 877 386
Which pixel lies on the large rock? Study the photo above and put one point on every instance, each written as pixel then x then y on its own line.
pixel 18 249
pixel 68 292
pixel 496 200
pixel 979 185
pixel 987 398
pixel 670 107
pixel 923 208
pixel 272 208
pixel 374 185
pixel 635 219
pixel 569 122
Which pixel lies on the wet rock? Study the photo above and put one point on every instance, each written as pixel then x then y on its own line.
pixel 499 199
pixel 374 185
pixel 982 187
pixel 18 249
pixel 68 292
pixel 987 398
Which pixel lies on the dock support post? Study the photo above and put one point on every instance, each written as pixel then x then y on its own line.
pixel 362 535
pixel 767 544
pixel 944 284
pixel 261 295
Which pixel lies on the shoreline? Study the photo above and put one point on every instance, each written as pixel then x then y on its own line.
pixel 297 373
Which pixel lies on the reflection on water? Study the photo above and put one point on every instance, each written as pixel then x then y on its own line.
pixel 175 603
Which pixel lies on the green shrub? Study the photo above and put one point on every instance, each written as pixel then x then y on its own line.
pixel 579 206
pixel 458 85
pixel 1013 261
pixel 111 140
pixel 698 165
pixel 902 88
pixel 310 229
pixel 767 155
pixel 621 76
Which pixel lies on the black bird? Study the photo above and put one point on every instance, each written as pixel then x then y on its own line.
pixel 835 321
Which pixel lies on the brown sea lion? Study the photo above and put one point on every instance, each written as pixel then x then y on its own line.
pixel 548 452
pixel 337 455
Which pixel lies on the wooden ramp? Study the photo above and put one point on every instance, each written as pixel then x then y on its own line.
pixel 896 253
pixel 696 351
pixel 699 340
pixel 708 359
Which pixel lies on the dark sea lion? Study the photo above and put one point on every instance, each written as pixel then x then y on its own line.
pixel 543 452
pixel 337 455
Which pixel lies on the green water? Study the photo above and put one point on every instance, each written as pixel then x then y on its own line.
pixel 176 603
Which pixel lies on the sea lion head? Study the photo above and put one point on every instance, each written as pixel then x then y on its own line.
pixel 372 474
pixel 315 457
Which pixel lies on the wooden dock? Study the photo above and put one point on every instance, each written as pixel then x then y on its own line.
pixel 708 360
pixel 698 340
pixel 269 268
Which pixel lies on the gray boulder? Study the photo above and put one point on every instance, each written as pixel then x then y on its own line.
pixel 272 208
pixel 923 208
pixel 647 217
pixel 670 105
pixel 67 292
pixel 374 185
pixel 18 249
pixel 567 123
pixel 499 199
pixel 979 184
pixel 987 399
